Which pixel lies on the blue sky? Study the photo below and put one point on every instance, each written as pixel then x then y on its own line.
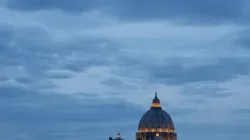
pixel 78 69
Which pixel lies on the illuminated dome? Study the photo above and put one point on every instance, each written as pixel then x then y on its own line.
pixel 156 119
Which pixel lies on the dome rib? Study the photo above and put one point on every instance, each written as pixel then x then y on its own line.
pixel 156 118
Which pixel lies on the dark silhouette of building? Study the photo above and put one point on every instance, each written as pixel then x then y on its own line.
pixel 155 124
pixel 118 137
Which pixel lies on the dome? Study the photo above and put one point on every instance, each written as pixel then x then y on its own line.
pixel 156 118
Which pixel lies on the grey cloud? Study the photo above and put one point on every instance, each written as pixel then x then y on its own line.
pixel 217 128
pixel 192 10
pixel 3 78
pixel 171 73
pixel 205 90
pixel 20 52
pixel 117 83
pixel 70 6
pixel 219 131
pixel 242 39
pixel 26 80
pixel 36 106
pixel 241 111
pixel 206 11
pixel 6 34
pixel 25 111
pixel 59 75
pixel 180 111
pixel 196 101
pixel 38 83
pixel 224 70
pixel 34 49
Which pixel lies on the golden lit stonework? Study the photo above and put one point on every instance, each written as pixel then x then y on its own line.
pixel 156 130
pixel 156 105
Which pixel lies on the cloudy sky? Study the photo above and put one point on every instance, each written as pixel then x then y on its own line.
pixel 86 69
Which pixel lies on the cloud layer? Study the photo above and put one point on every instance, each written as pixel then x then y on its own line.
pixel 205 11
pixel 83 69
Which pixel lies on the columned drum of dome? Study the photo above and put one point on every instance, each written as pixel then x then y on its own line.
pixel 156 124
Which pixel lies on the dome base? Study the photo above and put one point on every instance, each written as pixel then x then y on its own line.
pixel 155 135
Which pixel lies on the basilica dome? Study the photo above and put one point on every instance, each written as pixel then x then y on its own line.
pixel 156 119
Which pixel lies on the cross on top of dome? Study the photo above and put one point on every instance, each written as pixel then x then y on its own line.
pixel 156 95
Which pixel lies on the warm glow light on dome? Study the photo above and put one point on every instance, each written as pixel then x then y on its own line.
pixel 156 105
pixel 156 130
